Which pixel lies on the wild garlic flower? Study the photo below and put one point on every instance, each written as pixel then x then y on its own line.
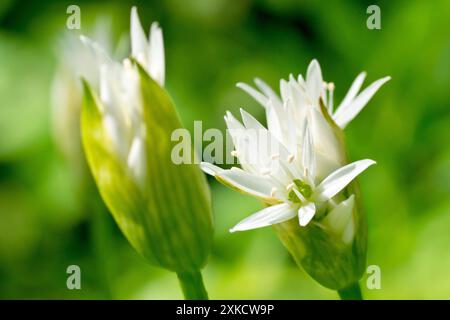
pixel 301 93
pixel 119 90
pixel 307 154
pixel 298 167
pixel 163 209
pixel 293 188
pixel 74 62
pixel 149 53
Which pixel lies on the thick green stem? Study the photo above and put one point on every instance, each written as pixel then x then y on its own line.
pixel 192 285
pixel 352 292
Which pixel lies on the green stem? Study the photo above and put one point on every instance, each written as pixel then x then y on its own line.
pixel 192 285
pixel 352 292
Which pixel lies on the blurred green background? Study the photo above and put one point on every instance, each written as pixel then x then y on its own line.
pixel 48 221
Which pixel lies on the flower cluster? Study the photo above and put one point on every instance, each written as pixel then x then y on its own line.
pixel 308 157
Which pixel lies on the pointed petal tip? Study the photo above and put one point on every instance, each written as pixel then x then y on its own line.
pixel 228 115
pixel 134 16
pixel 209 168
pixel 306 214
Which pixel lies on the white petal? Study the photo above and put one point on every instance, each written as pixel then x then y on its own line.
pixel 136 160
pixel 301 81
pixel 255 148
pixel 340 219
pixel 210 168
pixel 156 54
pixel 291 129
pixel 266 217
pixel 258 186
pixel 114 133
pixel 250 122
pixel 314 80
pixel 352 92
pixel 339 179
pixel 351 110
pixel 298 95
pixel 138 39
pixel 241 143
pixel 308 156
pixel 267 90
pixel 105 90
pixel 306 213
pixel 100 54
pixel 275 117
pixel 325 140
pixel 258 96
pixel 284 90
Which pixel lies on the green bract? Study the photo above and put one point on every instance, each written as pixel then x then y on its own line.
pixel 321 249
pixel 167 219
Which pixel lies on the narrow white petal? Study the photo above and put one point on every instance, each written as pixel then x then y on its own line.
pixel 291 129
pixel 306 213
pixel 138 39
pixel 266 217
pixel 267 90
pixel 275 116
pixel 299 195
pixel 255 148
pixel 351 110
pixel 210 168
pixel 97 51
pixel 325 141
pixel 250 122
pixel 156 54
pixel 308 155
pixel 105 91
pixel 298 95
pixel 301 81
pixel 232 122
pixel 314 81
pixel 352 92
pixel 339 179
pixel 284 90
pixel 255 94
pixel 136 160
pixel 110 126
pixel 340 219
pixel 255 185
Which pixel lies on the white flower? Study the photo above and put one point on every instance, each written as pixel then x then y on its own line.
pixel 66 91
pixel 302 99
pixel 119 91
pixel 306 93
pixel 292 188
pixel 149 53
pixel 302 172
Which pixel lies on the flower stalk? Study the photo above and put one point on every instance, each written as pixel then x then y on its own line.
pixel 352 292
pixel 192 285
